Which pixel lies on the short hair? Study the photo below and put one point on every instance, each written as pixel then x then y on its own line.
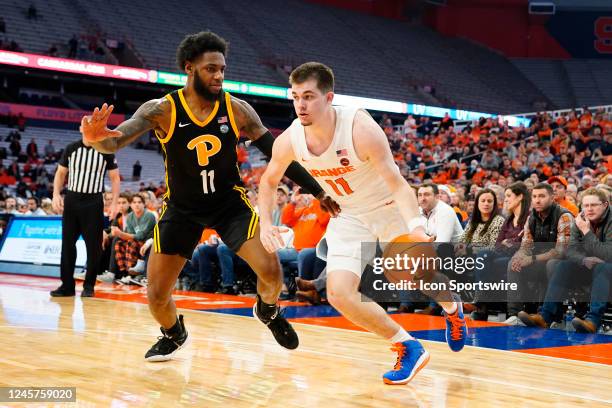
pixel 35 199
pixel 602 195
pixel 544 186
pixel 138 195
pixel 194 45
pixel 314 70
pixel 126 195
pixel 433 186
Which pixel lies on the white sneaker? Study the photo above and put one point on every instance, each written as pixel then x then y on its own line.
pixel 139 280
pixel 514 321
pixel 126 280
pixel 80 276
pixel 139 268
pixel 107 277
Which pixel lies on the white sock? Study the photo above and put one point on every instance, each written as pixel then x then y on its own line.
pixel 452 310
pixel 401 336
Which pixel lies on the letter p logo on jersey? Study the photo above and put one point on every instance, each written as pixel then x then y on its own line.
pixel 206 146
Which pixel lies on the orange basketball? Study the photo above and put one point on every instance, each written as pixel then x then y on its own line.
pixel 416 260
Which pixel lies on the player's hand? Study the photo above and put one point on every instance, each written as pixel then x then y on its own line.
pixel 93 127
pixel 328 204
pixel 58 204
pixel 271 238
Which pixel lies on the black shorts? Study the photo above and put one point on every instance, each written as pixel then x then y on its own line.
pixel 178 230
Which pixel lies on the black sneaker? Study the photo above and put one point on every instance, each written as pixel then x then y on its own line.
pixel 87 293
pixel 166 346
pixel 227 290
pixel 61 292
pixel 281 329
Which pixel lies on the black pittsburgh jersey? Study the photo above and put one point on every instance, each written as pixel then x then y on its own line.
pixel 200 157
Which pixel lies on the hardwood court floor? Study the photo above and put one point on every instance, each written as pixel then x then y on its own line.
pixel 97 345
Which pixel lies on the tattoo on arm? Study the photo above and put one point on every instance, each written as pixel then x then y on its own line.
pixel 147 117
pixel 248 120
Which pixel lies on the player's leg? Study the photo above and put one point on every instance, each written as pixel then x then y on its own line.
pixel 162 272
pixel 388 224
pixel 174 240
pixel 345 236
pixel 266 266
pixel 239 230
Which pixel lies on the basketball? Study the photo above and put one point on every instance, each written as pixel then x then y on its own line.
pixel 409 249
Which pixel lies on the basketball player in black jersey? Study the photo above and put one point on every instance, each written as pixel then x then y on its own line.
pixel 198 127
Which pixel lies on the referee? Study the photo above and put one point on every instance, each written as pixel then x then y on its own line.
pixel 83 210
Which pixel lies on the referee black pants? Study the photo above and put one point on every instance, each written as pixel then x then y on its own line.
pixel 83 215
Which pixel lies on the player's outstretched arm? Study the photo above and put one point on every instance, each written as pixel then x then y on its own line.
pixel 371 144
pixel 149 116
pixel 282 156
pixel 249 122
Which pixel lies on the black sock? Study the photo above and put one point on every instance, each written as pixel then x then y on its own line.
pixel 264 310
pixel 176 330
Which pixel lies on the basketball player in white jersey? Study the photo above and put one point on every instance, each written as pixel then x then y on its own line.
pixel 346 151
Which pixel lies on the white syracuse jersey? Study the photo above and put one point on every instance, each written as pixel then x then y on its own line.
pixel 352 183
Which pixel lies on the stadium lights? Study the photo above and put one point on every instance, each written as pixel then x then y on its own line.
pixel 174 79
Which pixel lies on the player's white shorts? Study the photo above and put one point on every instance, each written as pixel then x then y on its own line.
pixel 347 232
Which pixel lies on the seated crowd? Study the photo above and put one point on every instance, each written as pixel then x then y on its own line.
pixel 535 198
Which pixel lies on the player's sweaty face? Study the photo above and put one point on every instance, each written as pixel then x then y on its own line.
pixel 308 101
pixel 208 74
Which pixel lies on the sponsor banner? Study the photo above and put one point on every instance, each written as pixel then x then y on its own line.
pixel 77 66
pixel 37 240
pixel 55 114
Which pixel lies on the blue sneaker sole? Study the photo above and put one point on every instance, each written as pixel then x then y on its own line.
pixel 420 364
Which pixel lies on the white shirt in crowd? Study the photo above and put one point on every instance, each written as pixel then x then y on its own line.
pixel 442 222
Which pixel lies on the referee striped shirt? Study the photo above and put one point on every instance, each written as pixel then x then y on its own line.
pixel 86 167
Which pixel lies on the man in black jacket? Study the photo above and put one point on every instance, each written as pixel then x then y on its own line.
pixel 545 239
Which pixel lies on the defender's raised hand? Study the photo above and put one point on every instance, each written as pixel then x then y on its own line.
pixel 93 127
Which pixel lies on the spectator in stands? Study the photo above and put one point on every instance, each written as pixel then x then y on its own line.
pixel 559 185
pixel 441 222
pixel 47 206
pixel 517 202
pixel 32 149
pixel 33 207
pixel 410 126
pixel 304 215
pixel 485 223
pixel 32 13
pixel 200 267
pixel 591 247
pixel 589 260
pixel 228 260
pixel 73 45
pixel 139 227
pixel 10 206
pixel 15 147
pixel 137 169
pixel 545 238
pixel 446 122
pixel 109 262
